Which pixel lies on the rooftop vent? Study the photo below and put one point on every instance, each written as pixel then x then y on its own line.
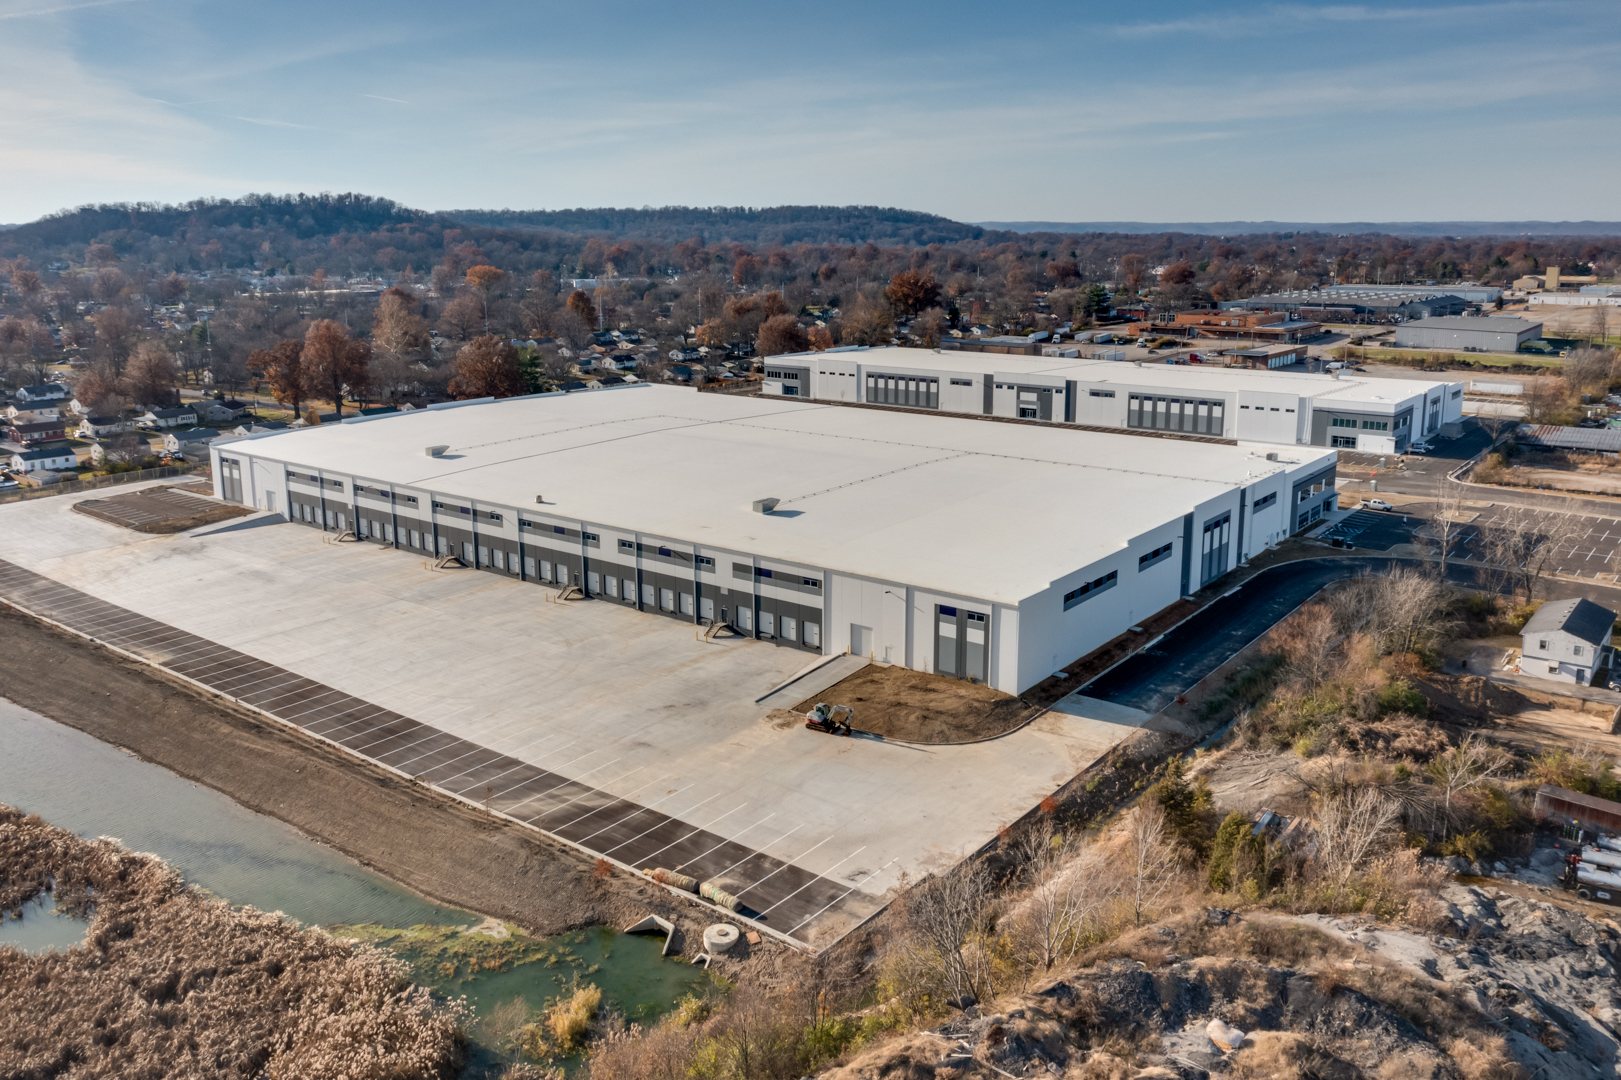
pixel 1272 456
pixel 435 451
pixel 765 506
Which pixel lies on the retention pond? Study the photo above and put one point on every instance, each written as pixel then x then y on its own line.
pixel 82 784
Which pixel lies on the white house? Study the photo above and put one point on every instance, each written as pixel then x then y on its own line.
pixel 187 443
pixel 45 392
pixel 1566 641
pixel 50 457
pixel 178 416
pixel 36 414
pixel 95 427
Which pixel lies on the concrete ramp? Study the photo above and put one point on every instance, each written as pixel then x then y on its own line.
pixel 812 681
pixel 1106 712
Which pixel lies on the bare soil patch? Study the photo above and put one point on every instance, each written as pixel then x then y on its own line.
pixel 914 706
pixel 444 850
pixel 159 510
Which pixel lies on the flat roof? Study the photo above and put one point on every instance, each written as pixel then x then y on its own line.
pixel 1496 324
pixel 1195 377
pixel 986 510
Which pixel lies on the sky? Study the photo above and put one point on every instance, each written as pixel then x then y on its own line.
pixel 1075 111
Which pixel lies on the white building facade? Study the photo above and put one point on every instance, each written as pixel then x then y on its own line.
pixel 945 545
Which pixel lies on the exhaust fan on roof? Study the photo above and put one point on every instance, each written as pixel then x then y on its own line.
pixel 435 451
pixel 1272 456
pixel 765 506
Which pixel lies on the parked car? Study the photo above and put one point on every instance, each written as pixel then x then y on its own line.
pixel 1376 504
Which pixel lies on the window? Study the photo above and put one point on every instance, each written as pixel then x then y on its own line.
pixel 792 376
pixel 627 545
pixel 590 538
pixel 338 484
pixel 1577 651
pixel 760 571
pixel 1542 646
pixel 810 583
pixel 494 516
pixel 1103 393
pixel 1090 589
pixel 1342 421
pixel 1375 425
pixel 705 562
pixel 962 382
pixel 1158 555
pixel 412 499
pixel 1264 501
pixel 1553 669
pixel 1302 521
pixel 1456 394
pixel 1343 442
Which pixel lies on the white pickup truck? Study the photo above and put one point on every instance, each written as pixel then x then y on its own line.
pixel 1375 504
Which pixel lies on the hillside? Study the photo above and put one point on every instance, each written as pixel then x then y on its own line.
pixel 742 224
pixel 1341 228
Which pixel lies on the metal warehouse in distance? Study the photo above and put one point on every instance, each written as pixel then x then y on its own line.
pixel 1340 411
pixel 949 545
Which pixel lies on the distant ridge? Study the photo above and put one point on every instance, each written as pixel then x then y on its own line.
pixel 746 224
pixel 1251 228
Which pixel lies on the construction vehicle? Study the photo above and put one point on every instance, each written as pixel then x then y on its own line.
pixel 825 718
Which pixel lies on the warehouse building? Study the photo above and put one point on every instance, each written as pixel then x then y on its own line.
pixel 1364 305
pixel 1465 290
pixel 984 551
pixel 1380 416
pixel 1494 333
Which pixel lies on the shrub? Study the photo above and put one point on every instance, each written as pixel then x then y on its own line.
pixel 1399 696
pixel 1233 831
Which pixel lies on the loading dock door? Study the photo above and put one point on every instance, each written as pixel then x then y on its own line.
pixel 961 643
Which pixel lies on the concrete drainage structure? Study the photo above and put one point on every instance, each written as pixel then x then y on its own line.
pixel 655 922
pixel 719 938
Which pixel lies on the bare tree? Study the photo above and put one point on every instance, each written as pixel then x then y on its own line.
pixel 1069 884
pixel 1151 863
pixel 1524 545
pixel 1469 764
pixel 1447 526
pixel 945 913
pixel 1353 828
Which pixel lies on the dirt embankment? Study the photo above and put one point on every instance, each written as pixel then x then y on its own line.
pixel 914 706
pixel 444 850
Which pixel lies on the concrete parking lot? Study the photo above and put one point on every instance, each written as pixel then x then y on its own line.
pixel 643 720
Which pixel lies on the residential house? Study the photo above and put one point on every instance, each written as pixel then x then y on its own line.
pixel 43 392
pixel 190 443
pixel 619 361
pixel 44 431
pixel 1567 641
pixel 82 408
pixel 178 416
pixel 221 412
pixel 98 427
pixel 35 413
pixel 45 457
pixel 260 426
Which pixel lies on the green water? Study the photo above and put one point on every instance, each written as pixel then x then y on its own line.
pixel 91 788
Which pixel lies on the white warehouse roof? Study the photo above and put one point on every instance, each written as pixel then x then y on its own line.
pixel 989 510
pixel 1185 377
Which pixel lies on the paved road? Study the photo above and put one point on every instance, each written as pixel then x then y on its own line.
pixel 1152 679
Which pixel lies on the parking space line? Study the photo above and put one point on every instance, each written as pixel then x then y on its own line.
pixel 841 896
pixel 639 810
pixel 812 881
pixel 801 855
pixel 723 843
pixel 761 850
pixel 626 798
pixel 696 829
pixel 589 791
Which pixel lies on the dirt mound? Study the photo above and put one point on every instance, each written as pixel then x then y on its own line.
pixel 914 706
pixel 1467 701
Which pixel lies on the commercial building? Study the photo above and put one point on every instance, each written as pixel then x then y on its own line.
pixel 1380 416
pixel 986 551
pixel 1354 305
pixel 1492 333
pixel 1464 290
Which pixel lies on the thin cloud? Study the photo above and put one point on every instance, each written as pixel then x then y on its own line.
pixel 270 123
pixel 380 97
pixel 1297 17
pixel 34 13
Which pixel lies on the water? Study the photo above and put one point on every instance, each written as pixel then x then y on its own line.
pixel 41 928
pixel 88 787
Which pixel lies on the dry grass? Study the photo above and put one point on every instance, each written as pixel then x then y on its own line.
pixel 171 983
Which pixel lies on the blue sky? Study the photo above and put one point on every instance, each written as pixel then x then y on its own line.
pixel 1079 111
